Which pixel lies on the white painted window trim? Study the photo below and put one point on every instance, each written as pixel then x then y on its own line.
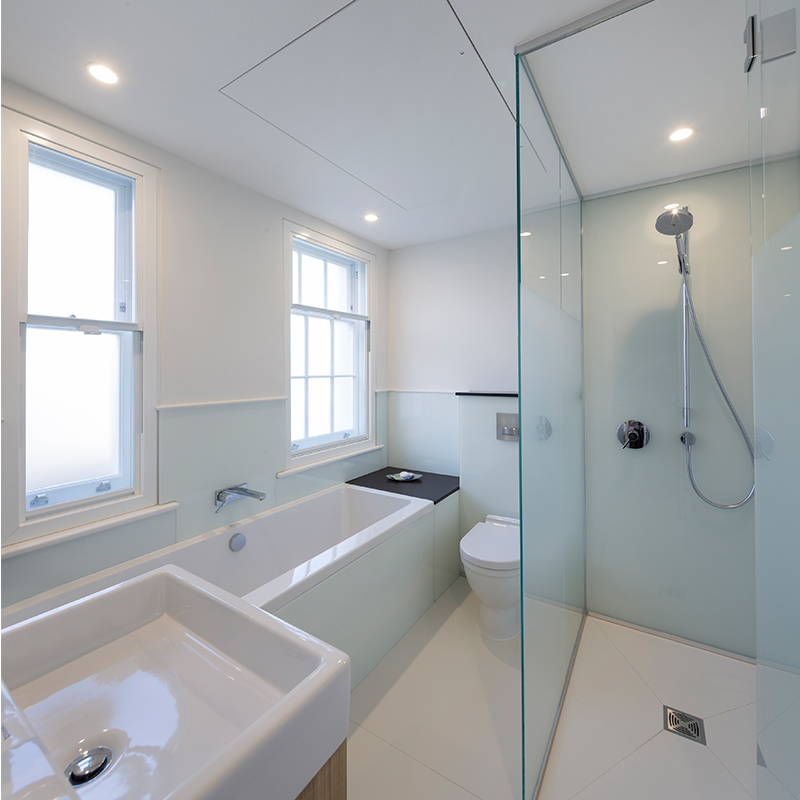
pixel 17 131
pixel 339 450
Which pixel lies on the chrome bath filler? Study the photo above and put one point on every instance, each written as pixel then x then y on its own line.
pixel 676 223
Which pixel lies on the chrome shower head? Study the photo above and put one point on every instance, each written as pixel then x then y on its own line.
pixel 675 222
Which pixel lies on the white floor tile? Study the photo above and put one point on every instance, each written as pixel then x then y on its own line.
pixel 780 746
pixel 548 650
pixel 731 736
pixel 605 682
pixel 778 689
pixel 378 771
pixel 586 746
pixel 770 788
pixel 687 678
pixel 664 768
pixel 450 699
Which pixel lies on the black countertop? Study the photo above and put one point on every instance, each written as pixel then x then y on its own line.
pixel 431 486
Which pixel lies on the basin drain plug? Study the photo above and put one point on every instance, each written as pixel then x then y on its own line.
pixel 89 765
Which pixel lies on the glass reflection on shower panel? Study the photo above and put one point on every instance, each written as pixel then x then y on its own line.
pixel 773 88
pixel 551 420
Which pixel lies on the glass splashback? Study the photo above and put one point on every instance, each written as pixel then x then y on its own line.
pixel 551 420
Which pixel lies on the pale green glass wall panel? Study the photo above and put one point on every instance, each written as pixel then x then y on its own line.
pixel 204 449
pixel 366 606
pixel 657 555
pixel 489 471
pixel 446 536
pixel 424 431
pixel 40 570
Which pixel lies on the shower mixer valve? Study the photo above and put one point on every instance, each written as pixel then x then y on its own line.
pixel 633 435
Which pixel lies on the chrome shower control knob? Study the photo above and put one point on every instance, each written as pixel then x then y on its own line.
pixel 633 435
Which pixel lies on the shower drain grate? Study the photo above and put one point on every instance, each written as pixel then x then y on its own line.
pixel 684 725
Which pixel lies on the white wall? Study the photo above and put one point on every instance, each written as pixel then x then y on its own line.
pixel 221 294
pixel 453 315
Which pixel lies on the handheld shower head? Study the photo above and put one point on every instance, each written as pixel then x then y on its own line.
pixel 675 222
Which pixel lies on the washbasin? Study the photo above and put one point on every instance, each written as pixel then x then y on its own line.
pixel 166 686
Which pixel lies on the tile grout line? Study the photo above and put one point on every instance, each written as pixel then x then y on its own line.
pixel 738 708
pixel 614 766
pixel 421 763
pixel 630 664
pixel 724 766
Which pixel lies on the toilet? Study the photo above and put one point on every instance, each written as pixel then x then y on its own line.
pixel 490 552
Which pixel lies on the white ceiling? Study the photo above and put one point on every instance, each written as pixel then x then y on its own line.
pixel 403 109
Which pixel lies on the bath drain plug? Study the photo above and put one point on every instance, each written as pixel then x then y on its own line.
pixel 88 766
pixel 684 725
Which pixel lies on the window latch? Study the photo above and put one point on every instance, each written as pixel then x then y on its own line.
pixel 89 330
pixel 103 486
pixel 39 500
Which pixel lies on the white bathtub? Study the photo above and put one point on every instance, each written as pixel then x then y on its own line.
pixel 352 566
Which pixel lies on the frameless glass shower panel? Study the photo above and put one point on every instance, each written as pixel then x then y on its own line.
pixel 657 555
pixel 774 86
pixel 551 422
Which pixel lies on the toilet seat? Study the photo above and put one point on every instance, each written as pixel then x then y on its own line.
pixel 493 547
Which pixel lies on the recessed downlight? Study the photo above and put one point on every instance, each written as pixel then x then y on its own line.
pixel 671 206
pixel 786 248
pixel 525 233
pixel 102 73
pixel 565 274
pixel 371 217
pixel 541 277
pixel 662 262
pixel 681 133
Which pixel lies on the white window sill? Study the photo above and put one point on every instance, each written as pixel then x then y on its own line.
pixel 332 459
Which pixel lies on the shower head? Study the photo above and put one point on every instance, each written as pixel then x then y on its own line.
pixel 675 222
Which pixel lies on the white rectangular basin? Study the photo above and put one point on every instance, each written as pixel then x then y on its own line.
pixel 197 693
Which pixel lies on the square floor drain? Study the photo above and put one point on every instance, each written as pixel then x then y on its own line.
pixel 684 725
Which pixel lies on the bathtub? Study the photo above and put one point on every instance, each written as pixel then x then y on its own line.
pixel 349 565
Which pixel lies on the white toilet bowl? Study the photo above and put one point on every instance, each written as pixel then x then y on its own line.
pixel 490 552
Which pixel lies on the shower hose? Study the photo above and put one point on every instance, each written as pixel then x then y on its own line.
pixel 727 401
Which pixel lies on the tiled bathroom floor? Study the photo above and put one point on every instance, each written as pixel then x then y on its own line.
pixel 439 717
pixel 610 741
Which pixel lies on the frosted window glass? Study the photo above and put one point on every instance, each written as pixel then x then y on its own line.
pixel 343 410
pixel 313 282
pixel 298 345
pixel 76 234
pixel 319 406
pixel 298 409
pixel 78 438
pixel 343 338
pixel 319 346
pixel 338 295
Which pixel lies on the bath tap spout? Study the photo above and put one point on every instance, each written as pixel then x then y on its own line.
pixel 224 496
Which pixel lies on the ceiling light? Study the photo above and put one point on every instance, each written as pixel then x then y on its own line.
pixel 787 295
pixel 786 248
pixel 102 73
pixel 682 133
pixel 541 277
pixel 565 274
pixel 370 217
pixel 671 206
pixel 662 262
pixel 525 233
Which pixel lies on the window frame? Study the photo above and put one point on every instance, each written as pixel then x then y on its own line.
pixel 141 315
pixel 327 451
